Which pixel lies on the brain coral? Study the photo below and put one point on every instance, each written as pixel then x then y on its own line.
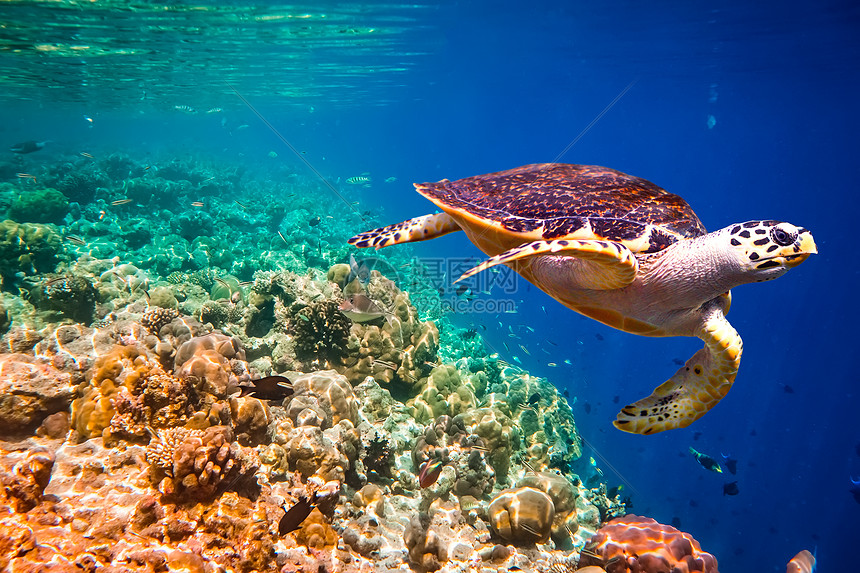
pixel 522 515
pixel 641 545
pixel 322 399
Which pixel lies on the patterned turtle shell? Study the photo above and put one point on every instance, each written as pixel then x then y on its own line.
pixel 549 201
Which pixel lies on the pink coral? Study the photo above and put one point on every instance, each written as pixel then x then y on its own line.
pixel 642 545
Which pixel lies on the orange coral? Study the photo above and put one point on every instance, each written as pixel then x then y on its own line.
pixel 641 545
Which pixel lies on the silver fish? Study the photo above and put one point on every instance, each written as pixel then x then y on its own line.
pixel 360 308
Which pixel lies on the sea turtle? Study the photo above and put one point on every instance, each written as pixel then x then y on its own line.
pixel 623 251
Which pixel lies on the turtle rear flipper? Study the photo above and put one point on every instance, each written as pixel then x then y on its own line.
pixel 695 388
pixel 417 229
pixel 612 265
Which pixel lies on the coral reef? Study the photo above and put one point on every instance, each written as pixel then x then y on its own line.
pixel 132 329
pixel 641 544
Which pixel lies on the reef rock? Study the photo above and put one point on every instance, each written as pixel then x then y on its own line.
pixel 31 389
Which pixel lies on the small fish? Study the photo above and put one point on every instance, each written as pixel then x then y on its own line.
pixel 27 176
pixel 197 204
pixel 27 147
pixel 390 179
pixel 75 239
pixel 707 461
pixel 282 238
pixel 599 336
pixel 787 389
pixel 505 344
pixel 224 283
pixel 534 398
pixel 567 362
pixel 246 283
pixel 429 472
pixel 731 488
pixel 243 126
pixel 678 362
pixel 552 364
pixel 358 180
pixel 241 206
pixel 315 221
pixel 293 517
pixel 526 350
pixel 85 154
pixel 359 308
pixel 185 108
pixel 214 110
pixel 551 342
pixel 208 179
pixel 386 364
pixel 88 119
pixel 731 464
pixel 120 202
pixel 269 388
pixel 273 154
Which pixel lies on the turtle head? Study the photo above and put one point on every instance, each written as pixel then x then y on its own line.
pixel 767 249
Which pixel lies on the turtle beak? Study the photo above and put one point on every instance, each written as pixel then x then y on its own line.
pixel 804 246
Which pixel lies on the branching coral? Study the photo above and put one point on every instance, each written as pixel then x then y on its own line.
pixel 195 464
pixel 642 545
pixel 155 317
pixel 321 332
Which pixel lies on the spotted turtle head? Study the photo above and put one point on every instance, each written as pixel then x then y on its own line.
pixel 767 249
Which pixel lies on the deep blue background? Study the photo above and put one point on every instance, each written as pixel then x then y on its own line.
pixel 504 84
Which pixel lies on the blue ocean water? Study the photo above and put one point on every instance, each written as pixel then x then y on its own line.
pixel 747 110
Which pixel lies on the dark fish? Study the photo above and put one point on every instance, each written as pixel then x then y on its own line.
pixel 599 337
pixel 731 465
pixel 696 436
pixel 753 432
pixel 731 488
pixel 857 448
pixel 676 522
pixel 707 461
pixel 678 362
pixel 787 389
pixel 294 516
pixel 694 503
pixel 616 399
pixel 551 342
pixel 534 399
pixel 613 492
pixel 566 394
pixel 315 221
pixel 587 408
pixel 27 147
pixel 268 388
pixel 429 472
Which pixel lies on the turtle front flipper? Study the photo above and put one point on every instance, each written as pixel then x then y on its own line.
pixel 417 229
pixel 612 264
pixel 696 387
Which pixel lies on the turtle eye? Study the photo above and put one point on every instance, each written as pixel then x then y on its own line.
pixel 781 236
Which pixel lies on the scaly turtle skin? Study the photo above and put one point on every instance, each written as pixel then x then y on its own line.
pixel 622 251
